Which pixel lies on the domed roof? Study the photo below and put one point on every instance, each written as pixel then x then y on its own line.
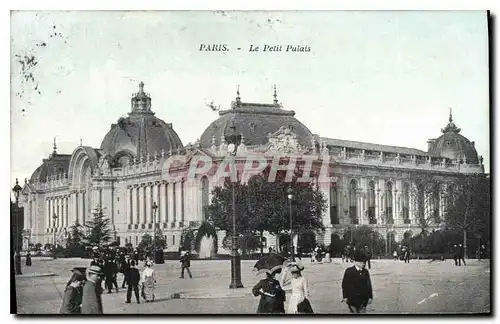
pixel 56 165
pixel 141 133
pixel 255 122
pixel 452 145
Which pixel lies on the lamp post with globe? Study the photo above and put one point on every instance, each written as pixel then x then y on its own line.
pixel 234 139
pixel 16 211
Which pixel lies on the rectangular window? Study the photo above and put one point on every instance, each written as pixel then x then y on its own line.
pixel 173 239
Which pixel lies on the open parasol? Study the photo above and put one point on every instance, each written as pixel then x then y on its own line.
pixel 270 263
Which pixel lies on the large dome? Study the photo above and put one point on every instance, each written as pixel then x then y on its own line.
pixel 255 122
pixel 452 145
pixel 140 134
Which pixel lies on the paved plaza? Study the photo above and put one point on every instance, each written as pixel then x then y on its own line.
pixel 418 287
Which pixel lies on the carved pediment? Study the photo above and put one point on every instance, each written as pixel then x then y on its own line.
pixel 284 141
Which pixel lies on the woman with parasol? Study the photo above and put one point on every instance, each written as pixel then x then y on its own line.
pixel 298 302
pixel 272 296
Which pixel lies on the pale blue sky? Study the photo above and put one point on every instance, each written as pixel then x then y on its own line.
pixel 381 77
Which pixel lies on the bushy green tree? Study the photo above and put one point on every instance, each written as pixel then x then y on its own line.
pixel 75 240
pixel 98 231
pixel 262 205
pixel 468 210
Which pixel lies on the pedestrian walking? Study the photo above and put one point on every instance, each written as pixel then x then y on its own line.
pixel 110 272
pixel 72 299
pixel 395 255
pixel 92 291
pixel 272 296
pixel 148 282
pixel 456 254
pixel 125 267
pixel 185 264
pixel 406 255
pixel 461 254
pixel 133 279
pixel 28 259
pixel 299 299
pixel 368 257
pixel 357 290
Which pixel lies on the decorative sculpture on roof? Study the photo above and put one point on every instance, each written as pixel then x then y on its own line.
pixel 451 127
pixel 284 141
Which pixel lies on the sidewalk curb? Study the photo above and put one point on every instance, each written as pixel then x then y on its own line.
pixel 36 275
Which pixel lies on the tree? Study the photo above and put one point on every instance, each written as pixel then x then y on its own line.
pixel 146 242
pixel 468 206
pixel 263 206
pixel 98 230
pixel 187 240
pixel 364 235
pixel 38 247
pixel 75 240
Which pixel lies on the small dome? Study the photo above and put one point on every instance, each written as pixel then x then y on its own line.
pixel 452 145
pixel 255 122
pixel 56 165
pixel 139 134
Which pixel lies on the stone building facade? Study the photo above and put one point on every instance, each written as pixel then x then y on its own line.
pixel 372 184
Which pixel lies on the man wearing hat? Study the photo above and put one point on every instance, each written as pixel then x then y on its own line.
pixel 72 299
pixel 185 264
pixel 92 290
pixel 357 290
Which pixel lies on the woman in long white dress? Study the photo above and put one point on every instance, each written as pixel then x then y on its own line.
pixel 300 290
pixel 148 282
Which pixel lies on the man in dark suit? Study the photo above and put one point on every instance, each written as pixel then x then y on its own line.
pixel 125 268
pixel 91 296
pixel 133 279
pixel 368 257
pixel 185 264
pixel 356 285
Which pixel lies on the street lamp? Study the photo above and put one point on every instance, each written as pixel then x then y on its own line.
pixel 155 207
pixel 54 218
pixel 234 139
pixel 290 197
pixel 17 254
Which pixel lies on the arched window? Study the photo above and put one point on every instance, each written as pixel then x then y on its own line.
pixel 371 203
pixel 334 218
pixel 353 202
pixel 388 203
pixel 406 203
pixel 204 198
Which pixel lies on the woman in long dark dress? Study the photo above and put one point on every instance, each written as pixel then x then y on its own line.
pixel 272 297
pixel 72 299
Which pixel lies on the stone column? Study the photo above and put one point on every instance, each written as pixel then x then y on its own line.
pixel 47 213
pixel 135 205
pixel 142 215
pixel 182 198
pixel 159 210
pixel 147 204
pixel 161 203
pixel 164 202
pixel 128 205
pixel 173 201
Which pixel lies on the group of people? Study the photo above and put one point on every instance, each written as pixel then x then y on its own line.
pixel 272 292
pixel 82 294
pixel 357 290
pixel 404 255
